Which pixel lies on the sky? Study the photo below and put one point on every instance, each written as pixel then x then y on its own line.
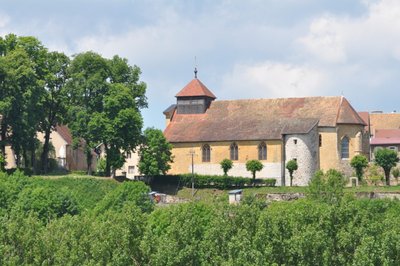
pixel 242 49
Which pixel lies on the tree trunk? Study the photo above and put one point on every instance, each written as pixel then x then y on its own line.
pixel 3 146
pixel 89 160
pixel 291 180
pixel 108 166
pixel 254 179
pixel 45 153
pixel 33 157
pixel 387 176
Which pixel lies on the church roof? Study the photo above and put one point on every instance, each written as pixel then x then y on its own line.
pixel 260 119
pixel 195 88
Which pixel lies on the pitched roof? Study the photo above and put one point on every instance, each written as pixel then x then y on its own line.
pixel 384 121
pixel 386 137
pixel 260 119
pixel 65 133
pixel 195 88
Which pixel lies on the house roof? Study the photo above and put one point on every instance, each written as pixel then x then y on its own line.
pixel 195 88
pixel 260 119
pixel 384 121
pixel 65 133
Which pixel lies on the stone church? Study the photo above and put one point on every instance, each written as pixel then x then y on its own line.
pixel 318 132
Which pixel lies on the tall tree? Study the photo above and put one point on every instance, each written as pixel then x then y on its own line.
pixel 386 159
pixel 21 91
pixel 55 101
pixel 155 153
pixel 106 97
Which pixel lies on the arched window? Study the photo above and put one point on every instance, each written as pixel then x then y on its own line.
pixel 345 148
pixel 262 151
pixel 206 153
pixel 234 152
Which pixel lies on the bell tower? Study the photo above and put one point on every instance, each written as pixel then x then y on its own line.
pixel 194 98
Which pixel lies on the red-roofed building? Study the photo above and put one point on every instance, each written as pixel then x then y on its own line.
pixel 319 132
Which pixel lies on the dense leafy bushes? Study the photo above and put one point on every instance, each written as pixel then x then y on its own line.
pixel 212 181
pixel 133 192
pixel 123 231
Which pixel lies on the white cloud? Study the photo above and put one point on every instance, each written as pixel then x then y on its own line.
pixel 273 80
pixel 373 36
pixel 4 20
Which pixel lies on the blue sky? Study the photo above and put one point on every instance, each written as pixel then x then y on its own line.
pixel 244 49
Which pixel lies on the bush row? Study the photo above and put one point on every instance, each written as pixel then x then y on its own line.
pixel 210 181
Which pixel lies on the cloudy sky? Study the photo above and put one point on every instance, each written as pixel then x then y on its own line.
pixel 243 49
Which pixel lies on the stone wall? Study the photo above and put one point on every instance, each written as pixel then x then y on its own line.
pixel 303 148
pixel 248 150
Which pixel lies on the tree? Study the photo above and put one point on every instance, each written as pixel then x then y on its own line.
pixel 359 163
pixel 21 91
pixel 291 166
pixel 226 165
pixel 55 100
pixel 386 159
pixel 254 166
pixel 326 187
pixel 155 153
pixel 106 98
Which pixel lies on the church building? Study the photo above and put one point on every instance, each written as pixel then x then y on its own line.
pixel 318 132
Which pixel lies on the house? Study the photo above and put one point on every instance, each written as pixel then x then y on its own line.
pixel 67 157
pixel 385 131
pixel 130 168
pixel 318 132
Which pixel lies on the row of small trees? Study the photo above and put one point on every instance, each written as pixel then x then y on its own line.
pixel 254 166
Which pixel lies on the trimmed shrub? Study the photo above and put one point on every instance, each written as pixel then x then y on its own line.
pixel 212 181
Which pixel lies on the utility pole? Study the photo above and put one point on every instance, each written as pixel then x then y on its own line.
pixel 192 153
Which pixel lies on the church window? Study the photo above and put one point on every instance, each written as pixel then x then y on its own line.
pixel 345 148
pixel 320 140
pixel 206 153
pixel 262 151
pixel 234 150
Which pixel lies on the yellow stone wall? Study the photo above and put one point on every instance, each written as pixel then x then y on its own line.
pixel 330 149
pixel 248 150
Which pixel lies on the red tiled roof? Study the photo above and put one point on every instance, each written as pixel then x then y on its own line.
pixel 385 141
pixel 387 133
pixel 195 88
pixel 260 119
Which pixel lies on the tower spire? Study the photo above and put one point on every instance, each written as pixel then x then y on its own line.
pixel 195 72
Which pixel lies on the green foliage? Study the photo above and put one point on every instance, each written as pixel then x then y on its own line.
pixel 101 167
pixel 226 165
pixel 155 153
pixel 211 181
pixel 291 166
pixel 326 187
pixel 46 202
pixel 374 175
pixel 386 159
pixel 302 232
pixel 254 166
pixel 359 163
pixel 128 192
pixel 106 98
pixel 396 173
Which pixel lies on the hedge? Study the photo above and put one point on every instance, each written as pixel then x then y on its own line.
pixel 210 181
